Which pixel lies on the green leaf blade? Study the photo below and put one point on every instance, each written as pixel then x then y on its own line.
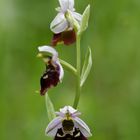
pixel 50 108
pixel 86 67
pixel 85 19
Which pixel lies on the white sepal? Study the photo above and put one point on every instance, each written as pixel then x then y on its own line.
pixel 48 49
pixel 82 127
pixel 68 109
pixel 77 16
pixel 66 4
pixel 53 126
pixel 59 24
pixel 61 71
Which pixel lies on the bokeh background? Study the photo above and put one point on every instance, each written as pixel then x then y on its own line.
pixel 110 100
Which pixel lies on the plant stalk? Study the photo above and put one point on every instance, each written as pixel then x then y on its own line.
pixel 68 66
pixel 78 88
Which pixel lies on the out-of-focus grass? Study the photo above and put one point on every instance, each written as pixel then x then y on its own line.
pixel 110 100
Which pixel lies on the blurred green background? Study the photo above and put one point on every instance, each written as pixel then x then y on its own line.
pixel 110 100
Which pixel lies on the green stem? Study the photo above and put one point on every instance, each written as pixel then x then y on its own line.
pixel 68 66
pixel 78 88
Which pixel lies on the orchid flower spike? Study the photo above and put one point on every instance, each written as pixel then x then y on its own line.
pixel 67 125
pixel 54 72
pixel 61 26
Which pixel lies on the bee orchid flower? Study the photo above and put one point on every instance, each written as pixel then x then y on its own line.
pixel 54 72
pixel 62 28
pixel 67 125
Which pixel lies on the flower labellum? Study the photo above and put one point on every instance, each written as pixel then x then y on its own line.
pixel 54 71
pixel 61 24
pixel 66 37
pixel 68 126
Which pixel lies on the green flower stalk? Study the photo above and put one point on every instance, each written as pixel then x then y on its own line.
pixel 78 88
pixel 82 27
